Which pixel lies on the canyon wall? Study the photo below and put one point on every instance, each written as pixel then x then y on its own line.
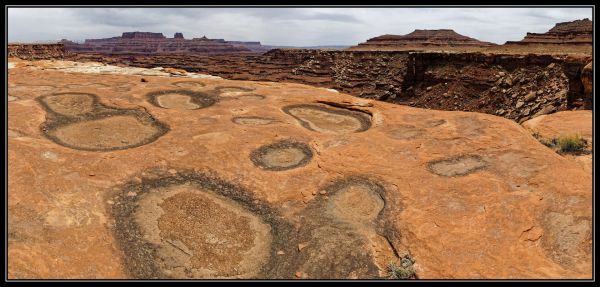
pixel 578 32
pixel 157 43
pixel 517 87
pixel 37 51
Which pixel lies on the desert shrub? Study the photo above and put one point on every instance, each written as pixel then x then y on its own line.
pixel 570 143
pixel 404 270
pixel 564 143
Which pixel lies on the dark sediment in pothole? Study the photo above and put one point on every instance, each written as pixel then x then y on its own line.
pixel 327 119
pixel 181 99
pixel 282 155
pixel 457 166
pixel 253 121
pixel 339 242
pixel 193 225
pixel 70 104
pixel 79 121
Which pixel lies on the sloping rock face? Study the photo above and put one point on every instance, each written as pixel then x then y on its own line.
pixel 37 51
pixel 275 180
pixel 152 43
pixel 578 32
pixel 423 38
pixel 567 123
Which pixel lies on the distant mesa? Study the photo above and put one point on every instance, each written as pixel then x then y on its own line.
pixel 157 43
pixel 424 38
pixel 578 32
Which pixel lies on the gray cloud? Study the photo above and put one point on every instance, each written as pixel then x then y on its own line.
pixel 283 26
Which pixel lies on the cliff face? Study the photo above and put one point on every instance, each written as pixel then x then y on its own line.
pixel 511 86
pixel 152 43
pixel 37 51
pixel 423 38
pixel 578 32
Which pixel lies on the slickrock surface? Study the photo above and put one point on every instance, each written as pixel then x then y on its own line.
pixel 566 123
pixel 310 183
pixel 423 38
pixel 578 32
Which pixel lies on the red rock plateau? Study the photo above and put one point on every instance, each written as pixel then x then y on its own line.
pixel 578 32
pixel 422 38
pixel 157 43
pixel 122 172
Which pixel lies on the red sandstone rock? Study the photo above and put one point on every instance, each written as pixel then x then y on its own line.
pixel 587 79
pixel 424 38
pixel 37 51
pixel 152 43
pixel 578 32
pixel 477 196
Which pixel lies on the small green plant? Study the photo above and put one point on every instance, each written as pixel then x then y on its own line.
pixel 571 143
pixel 564 143
pixel 403 270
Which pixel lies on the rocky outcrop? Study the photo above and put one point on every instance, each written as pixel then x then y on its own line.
pixel 271 180
pixel 571 124
pixel 517 87
pixel 157 43
pixel 587 79
pixel 423 38
pixel 37 51
pixel 578 32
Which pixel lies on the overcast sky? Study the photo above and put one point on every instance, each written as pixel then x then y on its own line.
pixel 284 26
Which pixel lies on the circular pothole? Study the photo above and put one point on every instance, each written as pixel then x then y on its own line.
pixel 190 225
pixel 92 85
pixel 223 90
pixel 252 121
pixel 435 123
pixel 180 99
pixel 404 132
pixel 189 84
pixel 80 121
pixel 282 155
pixel 202 235
pixel 107 133
pixel 69 104
pixel 327 119
pixel 457 166
pixel 251 97
pixel 355 201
